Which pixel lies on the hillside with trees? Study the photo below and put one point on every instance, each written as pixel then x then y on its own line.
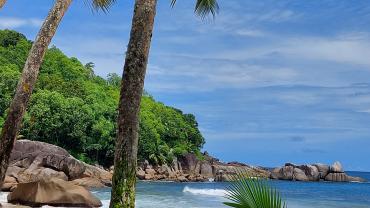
pixel 75 109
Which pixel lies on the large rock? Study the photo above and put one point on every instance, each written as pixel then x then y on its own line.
pixel 163 169
pixel 34 154
pixel 337 177
pixel 8 187
pixel 94 172
pixel 89 183
pixel 140 174
pixel 32 161
pixel 311 172
pixel 342 177
pixel 39 173
pixel 225 172
pixel 54 192
pixel 9 183
pixel 150 171
pixel 299 175
pixel 336 168
pixel 175 165
pixel 323 169
pixel 189 163
pixel 206 170
pixel 13 171
pixel 284 173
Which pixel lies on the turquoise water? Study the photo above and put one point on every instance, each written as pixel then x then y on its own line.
pixel 297 194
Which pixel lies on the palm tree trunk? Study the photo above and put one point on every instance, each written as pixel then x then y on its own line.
pixel 125 162
pixel 26 84
pixel 2 2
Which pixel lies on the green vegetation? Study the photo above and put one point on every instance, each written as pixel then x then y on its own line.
pixel 252 192
pixel 77 110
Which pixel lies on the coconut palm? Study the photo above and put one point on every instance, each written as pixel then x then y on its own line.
pixel 29 76
pixel 252 192
pixel 2 2
pixel 125 162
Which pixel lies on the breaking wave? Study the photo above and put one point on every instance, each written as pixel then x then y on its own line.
pixel 208 192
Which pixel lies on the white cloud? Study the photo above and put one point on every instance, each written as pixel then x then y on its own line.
pixel 207 75
pixel 351 50
pixel 15 22
pixel 348 49
pixel 277 16
pixel 250 33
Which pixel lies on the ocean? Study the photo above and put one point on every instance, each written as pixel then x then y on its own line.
pixel 205 195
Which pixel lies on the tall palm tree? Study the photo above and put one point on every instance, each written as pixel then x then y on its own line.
pixel 29 76
pixel 125 162
pixel 2 2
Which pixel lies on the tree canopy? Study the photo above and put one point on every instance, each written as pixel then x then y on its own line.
pixel 77 110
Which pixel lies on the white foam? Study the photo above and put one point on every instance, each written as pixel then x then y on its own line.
pixel 208 192
pixel 105 203
pixel 4 197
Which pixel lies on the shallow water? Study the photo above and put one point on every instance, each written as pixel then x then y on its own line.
pixel 205 195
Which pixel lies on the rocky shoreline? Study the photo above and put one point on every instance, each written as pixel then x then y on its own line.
pixel 314 172
pixel 32 162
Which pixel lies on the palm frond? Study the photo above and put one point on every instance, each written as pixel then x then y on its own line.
pixel 252 192
pixel 104 5
pixel 203 7
pixel 173 2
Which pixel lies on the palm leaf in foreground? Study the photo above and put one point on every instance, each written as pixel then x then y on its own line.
pixel 251 192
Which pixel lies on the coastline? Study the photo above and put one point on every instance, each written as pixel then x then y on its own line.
pixel 188 175
pixel 152 193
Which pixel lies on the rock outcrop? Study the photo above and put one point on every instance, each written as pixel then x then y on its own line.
pixel 323 169
pixel 190 168
pixel 336 168
pixel 283 173
pixel 34 155
pixel 53 192
pixel 32 161
pixel 314 172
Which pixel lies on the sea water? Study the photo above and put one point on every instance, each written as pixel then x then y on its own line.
pixel 204 195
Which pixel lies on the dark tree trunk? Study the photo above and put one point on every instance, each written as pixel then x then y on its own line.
pixel 125 162
pixel 26 84
pixel 2 2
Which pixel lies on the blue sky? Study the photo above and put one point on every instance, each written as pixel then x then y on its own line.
pixel 269 81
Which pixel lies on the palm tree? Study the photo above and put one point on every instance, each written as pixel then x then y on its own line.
pixel 251 192
pixel 132 84
pixel 29 76
pixel 2 2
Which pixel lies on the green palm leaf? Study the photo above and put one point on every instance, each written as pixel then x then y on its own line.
pixel 204 7
pixel 104 5
pixel 251 192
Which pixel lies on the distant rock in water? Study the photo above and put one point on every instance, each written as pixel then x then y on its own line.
pixel 314 172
